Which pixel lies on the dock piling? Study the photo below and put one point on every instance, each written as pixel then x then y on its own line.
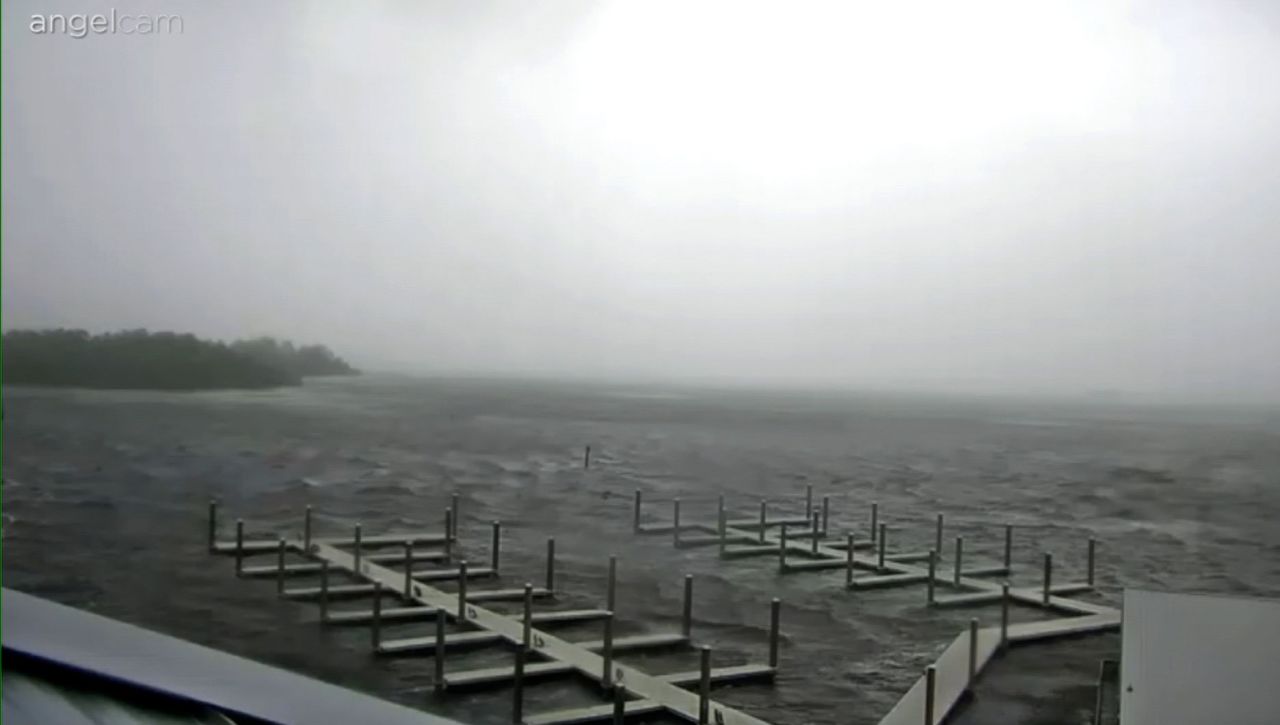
pixel 213 526
pixel 723 529
pixel 808 501
pixel 704 687
pixel 937 535
pixel 973 654
pixel 635 514
pixel 280 552
pixel 462 590
pixel 324 591
pixel 959 558
pixel 439 651
pixel 814 541
pixel 875 517
pixel 1089 566
pixel 930 687
pixel 306 528
pixel 375 624
pixel 1004 615
pixel 686 619
pixel 448 536
pixel 239 547
pixel 933 572
pixel 1048 577
pixel 619 705
pixel 527 636
pixel 606 652
pixel 611 589
pixel 775 621
pixel 848 561
pixel 782 547
pixel 517 693
pixel 826 514
pixel 496 546
pixel 883 545
pixel 551 564
pixel 586 458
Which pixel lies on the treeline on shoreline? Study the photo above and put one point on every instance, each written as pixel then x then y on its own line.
pixel 160 360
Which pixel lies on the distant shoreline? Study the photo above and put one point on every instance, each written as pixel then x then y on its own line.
pixel 163 361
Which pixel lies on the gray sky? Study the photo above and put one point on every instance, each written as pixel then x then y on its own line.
pixel 968 196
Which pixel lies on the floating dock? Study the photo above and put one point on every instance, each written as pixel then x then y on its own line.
pixel 364 571
pixel 803 543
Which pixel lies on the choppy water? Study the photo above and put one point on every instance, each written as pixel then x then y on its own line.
pixel 105 492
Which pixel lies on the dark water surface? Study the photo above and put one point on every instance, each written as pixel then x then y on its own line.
pixel 105 495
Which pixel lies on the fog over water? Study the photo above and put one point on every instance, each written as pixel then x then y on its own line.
pixel 1012 197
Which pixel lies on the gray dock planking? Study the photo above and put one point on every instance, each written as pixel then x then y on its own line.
pixel 952 670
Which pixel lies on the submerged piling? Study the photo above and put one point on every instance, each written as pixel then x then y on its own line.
pixel 1089 569
pixel 495 546
pixel 704 687
pixel 814 541
pixel 462 590
pixel 527 635
pixel 551 564
pixel 1048 577
pixel 933 572
pixel 586 458
pixel 883 544
pixel 875 517
pixel 959 558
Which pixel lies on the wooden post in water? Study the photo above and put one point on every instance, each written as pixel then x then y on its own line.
pixel 875 517
pixel 448 536
pixel 704 687
pixel 611 586
pixel 675 518
pixel 826 514
pixel 933 571
pixel 408 569
pixel 375 629
pixel 775 620
pixel 959 558
pixel 1004 615
pixel 606 652
pixel 280 551
pixel 619 705
pixel 496 545
pixel 551 564
pixel 937 535
pixel 930 687
pixel 306 529
pixel 440 645
pixel 213 526
pixel 763 505
pixel 586 458
pixel 239 547
pixel 723 529
pixel 782 547
pixel 635 516
pixel 816 531
pixel 517 694
pixel 1089 569
pixel 883 545
pixel 1048 577
pixel 457 515
pixel 848 561
pixel 527 635
pixel 324 591
pixel 462 590
pixel 356 549
pixel 808 501
pixel 973 654
pixel 686 620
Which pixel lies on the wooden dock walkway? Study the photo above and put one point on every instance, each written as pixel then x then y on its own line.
pixel 802 543
pixel 539 652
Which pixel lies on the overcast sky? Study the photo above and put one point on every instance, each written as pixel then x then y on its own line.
pixel 1014 196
